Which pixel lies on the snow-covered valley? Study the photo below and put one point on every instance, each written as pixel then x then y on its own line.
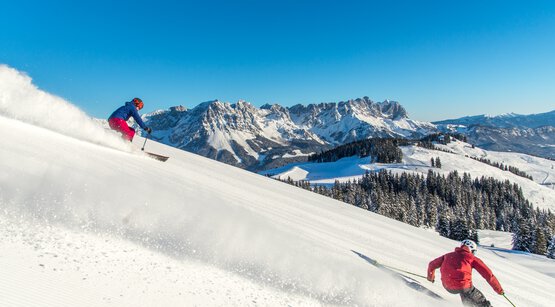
pixel 454 156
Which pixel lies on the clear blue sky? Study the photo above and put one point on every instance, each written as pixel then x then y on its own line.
pixel 439 59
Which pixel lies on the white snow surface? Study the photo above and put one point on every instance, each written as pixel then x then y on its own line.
pixel 417 160
pixel 500 244
pixel 86 224
pixel 494 238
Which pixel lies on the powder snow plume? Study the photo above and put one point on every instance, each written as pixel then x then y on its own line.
pixel 20 99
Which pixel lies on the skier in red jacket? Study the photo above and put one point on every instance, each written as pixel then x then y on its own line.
pixel 456 274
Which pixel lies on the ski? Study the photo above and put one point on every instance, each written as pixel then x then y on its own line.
pixel 157 156
pixel 409 281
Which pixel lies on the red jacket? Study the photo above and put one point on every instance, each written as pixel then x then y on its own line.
pixel 456 270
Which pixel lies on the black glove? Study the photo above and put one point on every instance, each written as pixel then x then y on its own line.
pixel 149 130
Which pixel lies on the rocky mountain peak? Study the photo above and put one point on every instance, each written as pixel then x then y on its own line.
pixel 244 135
pixel 178 109
pixel 392 109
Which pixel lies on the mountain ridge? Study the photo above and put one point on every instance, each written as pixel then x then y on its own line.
pixel 532 134
pixel 507 120
pixel 243 135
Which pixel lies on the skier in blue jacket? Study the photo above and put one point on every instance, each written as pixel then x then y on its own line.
pixel 118 119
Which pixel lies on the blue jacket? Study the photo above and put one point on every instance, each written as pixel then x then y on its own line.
pixel 126 112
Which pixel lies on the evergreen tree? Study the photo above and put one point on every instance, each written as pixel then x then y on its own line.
pixel 412 214
pixel 523 237
pixel 479 212
pixel 551 249
pixel 459 230
pixel 438 162
pixel 443 227
pixel 474 236
pixel 540 242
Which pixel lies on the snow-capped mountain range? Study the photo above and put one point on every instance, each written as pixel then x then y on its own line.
pixel 243 135
pixel 531 134
pixel 254 138
pixel 509 120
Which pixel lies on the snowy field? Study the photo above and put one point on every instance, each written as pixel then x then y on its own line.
pixel 500 243
pixel 542 170
pixel 45 265
pixel 88 220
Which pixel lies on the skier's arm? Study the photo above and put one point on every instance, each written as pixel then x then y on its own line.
pixel 434 264
pixel 487 274
pixel 138 119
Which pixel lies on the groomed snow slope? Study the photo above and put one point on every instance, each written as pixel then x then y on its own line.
pixel 89 225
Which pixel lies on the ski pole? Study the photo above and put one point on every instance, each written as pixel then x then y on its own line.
pixel 376 263
pixel 508 300
pixel 146 138
pixel 396 269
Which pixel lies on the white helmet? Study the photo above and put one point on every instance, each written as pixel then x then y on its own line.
pixel 471 245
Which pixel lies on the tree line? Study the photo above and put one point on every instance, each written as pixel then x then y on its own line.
pixel 440 138
pixel 380 150
pixel 504 167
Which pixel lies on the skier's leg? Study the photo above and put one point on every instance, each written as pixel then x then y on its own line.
pixel 129 134
pixel 474 298
pixel 121 126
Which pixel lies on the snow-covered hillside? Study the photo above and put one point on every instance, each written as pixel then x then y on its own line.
pixel 542 170
pixel 416 159
pixel 84 224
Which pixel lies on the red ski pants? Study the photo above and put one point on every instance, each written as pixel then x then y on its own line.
pixel 121 126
